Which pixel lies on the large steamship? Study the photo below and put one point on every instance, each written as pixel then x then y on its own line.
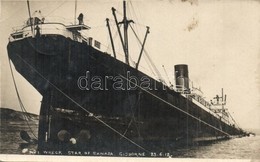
pixel 132 112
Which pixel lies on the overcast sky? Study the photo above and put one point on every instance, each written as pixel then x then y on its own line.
pixel 218 39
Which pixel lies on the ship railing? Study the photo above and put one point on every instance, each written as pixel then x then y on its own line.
pixel 45 29
pixel 208 109
pixel 52 29
pixel 201 100
pixel 57 19
pixel 51 19
pixel 182 89
pixel 20 34
pixel 223 115
pixel 17 29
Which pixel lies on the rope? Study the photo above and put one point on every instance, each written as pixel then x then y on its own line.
pixel 101 121
pixel 150 70
pixel 168 102
pixel 62 3
pixel 25 113
pixel 137 86
pixel 128 127
pixel 150 60
pixel 117 51
pixel 233 119
pixel 174 106
pixel 134 105
pixel 196 118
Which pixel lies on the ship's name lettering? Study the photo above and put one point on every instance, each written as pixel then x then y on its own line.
pixel 103 153
pixel 74 153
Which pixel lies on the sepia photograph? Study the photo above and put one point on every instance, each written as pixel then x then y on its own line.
pixel 132 80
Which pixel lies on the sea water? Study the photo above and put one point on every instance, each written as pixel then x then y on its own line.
pixel 236 148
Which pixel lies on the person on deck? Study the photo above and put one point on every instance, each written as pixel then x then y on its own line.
pixel 80 18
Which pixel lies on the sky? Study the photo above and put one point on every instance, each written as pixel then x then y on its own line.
pixel 218 39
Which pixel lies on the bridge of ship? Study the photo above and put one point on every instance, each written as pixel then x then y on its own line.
pixel 35 24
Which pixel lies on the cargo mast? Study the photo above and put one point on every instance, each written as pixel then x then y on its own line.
pixel 30 17
pixel 125 22
pixel 75 19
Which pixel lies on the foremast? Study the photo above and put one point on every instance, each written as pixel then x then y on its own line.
pixel 124 40
pixel 126 23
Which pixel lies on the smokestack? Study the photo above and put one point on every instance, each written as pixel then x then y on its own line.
pixel 182 78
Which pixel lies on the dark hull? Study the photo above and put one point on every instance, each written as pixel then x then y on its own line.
pixel 116 120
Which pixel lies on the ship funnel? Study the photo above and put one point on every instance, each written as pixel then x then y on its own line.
pixel 182 78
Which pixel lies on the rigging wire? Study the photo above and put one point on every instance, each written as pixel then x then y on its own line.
pixel 233 119
pixel 155 96
pixel 173 106
pixel 118 12
pixel 150 70
pixel 131 15
pixel 137 17
pixel 133 83
pixel 122 135
pixel 115 35
pixel 168 103
pixel 167 76
pixel 25 113
pixel 147 61
pixel 134 105
pixel 84 109
pixel 61 4
pixel 150 60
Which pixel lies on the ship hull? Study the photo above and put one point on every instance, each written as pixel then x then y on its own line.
pixel 135 119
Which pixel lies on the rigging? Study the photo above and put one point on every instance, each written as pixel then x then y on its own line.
pixel 25 113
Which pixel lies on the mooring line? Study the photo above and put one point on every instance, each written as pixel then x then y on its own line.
pixel 20 100
pixel 83 107
pixel 175 106
pixel 167 102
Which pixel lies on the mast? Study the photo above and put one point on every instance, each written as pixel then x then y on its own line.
pixel 140 55
pixel 125 22
pixel 111 39
pixel 75 19
pixel 118 29
pixel 28 5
